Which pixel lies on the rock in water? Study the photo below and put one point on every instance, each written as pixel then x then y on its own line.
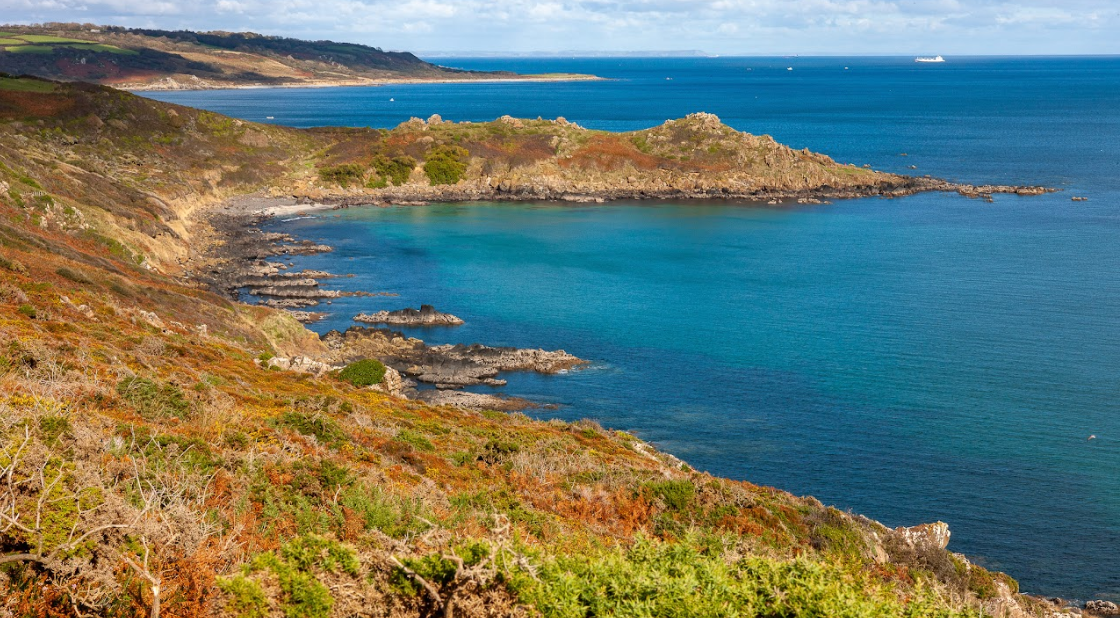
pixel 425 316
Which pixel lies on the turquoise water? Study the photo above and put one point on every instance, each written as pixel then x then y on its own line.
pixel 918 359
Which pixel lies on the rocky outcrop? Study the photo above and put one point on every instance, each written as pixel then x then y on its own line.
pixel 444 366
pixel 425 316
pixel 1102 608
pixel 472 401
pixel 301 364
pixel 394 384
pixel 927 535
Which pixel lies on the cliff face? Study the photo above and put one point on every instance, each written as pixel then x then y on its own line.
pixel 151 455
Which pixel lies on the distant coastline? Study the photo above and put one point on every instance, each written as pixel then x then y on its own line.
pixel 172 84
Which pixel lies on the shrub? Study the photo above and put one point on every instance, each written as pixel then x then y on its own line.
pixel 246 597
pixel 677 495
pixel 363 373
pixel 416 440
pixel 152 399
pixel 397 170
pixel 446 164
pixel 677 579
pixel 13 265
pixel 381 511
pixel 53 427
pixel 323 428
pixel 73 275
pixel 28 311
pixel 295 566
pixel 342 174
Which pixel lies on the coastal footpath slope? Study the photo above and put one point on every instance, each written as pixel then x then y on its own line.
pixel 154 461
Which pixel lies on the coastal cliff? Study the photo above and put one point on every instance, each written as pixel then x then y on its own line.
pixel 155 460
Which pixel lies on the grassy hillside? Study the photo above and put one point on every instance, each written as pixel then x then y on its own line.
pixel 162 59
pixel 150 465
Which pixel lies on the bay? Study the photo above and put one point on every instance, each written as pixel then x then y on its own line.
pixel 928 358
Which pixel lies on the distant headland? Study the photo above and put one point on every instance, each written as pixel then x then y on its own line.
pixel 145 59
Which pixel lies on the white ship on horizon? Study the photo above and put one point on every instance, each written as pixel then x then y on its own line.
pixel 929 59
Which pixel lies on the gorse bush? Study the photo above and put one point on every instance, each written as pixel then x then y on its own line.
pixel 152 399
pixel 680 579
pixel 322 427
pixel 677 495
pixel 396 170
pixel 446 164
pixel 295 567
pixel 363 373
pixel 342 175
pixel 73 275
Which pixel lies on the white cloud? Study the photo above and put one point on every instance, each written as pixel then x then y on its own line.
pixel 718 26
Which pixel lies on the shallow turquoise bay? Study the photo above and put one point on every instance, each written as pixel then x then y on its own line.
pixel 927 358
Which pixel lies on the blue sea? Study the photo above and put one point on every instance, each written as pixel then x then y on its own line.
pixel 919 359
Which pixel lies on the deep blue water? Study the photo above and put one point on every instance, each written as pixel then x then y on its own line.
pixel 918 359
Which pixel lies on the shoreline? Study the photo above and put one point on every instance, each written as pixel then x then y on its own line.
pixel 481 191
pixel 237 264
pixel 240 264
pixel 202 85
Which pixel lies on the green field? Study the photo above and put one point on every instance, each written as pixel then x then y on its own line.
pixel 42 38
pixel 25 85
pixel 42 44
pixel 29 49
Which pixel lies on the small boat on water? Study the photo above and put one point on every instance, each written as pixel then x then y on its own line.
pixel 929 59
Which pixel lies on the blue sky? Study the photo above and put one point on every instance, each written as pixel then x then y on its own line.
pixel 728 27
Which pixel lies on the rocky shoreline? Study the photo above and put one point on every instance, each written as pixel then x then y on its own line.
pixel 682 188
pixel 238 264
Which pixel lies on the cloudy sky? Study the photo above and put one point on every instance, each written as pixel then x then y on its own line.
pixel 728 27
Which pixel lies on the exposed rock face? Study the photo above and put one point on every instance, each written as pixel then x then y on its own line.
pixel 301 364
pixel 393 383
pixel 425 316
pixel 445 366
pixel 934 535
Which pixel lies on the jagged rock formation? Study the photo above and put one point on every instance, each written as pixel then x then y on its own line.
pixel 445 366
